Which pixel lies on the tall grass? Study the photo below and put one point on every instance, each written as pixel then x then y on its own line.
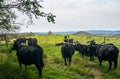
pixel 81 68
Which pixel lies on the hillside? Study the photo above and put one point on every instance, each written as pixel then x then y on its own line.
pixel 82 33
pixel 103 34
pixel 86 32
pixel 116 35
pixel 64 32
pixel 103 31
pixel 109 35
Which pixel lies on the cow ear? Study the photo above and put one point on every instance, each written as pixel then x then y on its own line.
pixel 16 42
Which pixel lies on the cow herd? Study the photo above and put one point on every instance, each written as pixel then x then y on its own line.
pixel 32 53
pixel 106 52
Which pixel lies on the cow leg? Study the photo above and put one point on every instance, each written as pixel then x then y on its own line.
pixel 70 61
pixel 100 62
pixel 91 58
pixel 110 64
pixel 115 64
pixel 39 69
pixel 82 55
pixel 20 65
pixel 65 61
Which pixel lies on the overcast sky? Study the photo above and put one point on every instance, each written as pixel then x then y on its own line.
pixel 77 15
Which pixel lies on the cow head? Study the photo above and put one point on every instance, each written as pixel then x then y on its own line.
pixel 15 45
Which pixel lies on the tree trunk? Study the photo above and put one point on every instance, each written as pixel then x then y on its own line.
pixel 5 38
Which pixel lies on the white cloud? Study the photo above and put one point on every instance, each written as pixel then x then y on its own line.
pixel 80 15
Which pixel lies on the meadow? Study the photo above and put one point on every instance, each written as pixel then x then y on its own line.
pixel 81 68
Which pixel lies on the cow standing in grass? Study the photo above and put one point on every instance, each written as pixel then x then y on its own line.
pixel 107 52
pixel 82 49
pixel 28 55
pixel 67 52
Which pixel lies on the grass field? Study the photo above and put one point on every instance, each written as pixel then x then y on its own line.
pixel 81 68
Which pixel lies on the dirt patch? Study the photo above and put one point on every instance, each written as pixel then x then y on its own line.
pixel 95 72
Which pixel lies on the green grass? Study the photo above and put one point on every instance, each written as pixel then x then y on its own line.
pixel 81 68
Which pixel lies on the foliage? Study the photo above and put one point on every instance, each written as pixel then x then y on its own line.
pixel 7 17
pixel 28 7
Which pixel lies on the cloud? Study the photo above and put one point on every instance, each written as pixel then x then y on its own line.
pixel 80 15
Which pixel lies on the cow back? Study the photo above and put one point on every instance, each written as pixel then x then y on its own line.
pixel 67 50
pixel 108 52
pixel 30 55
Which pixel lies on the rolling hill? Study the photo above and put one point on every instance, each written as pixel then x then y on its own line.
pixel 103 31
pixel 106 33
pixel 82 33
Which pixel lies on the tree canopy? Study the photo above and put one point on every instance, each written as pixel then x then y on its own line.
pixel 29 7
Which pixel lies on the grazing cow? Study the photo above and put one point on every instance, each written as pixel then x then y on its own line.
pixel 107 52
pixel 32 41
pixel 82 49
pixel 21 40
pixel 67 52
pixel 28 55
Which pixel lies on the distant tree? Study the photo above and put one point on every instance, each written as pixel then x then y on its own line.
pixel 49 33
pixel 31 34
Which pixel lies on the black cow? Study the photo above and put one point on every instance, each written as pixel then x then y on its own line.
pixel 21 40
pixel 28 55
pixel 107 52
pixel 67 52
pixel 32 41
pixel 82 49
pixel 68 40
